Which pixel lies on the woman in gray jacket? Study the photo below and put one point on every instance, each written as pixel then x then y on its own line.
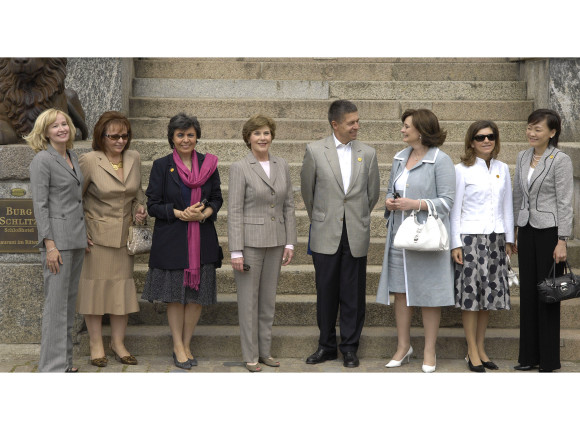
pixel 420 171
pixel 543 188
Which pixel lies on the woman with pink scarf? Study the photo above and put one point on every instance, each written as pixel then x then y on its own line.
pixel 184 196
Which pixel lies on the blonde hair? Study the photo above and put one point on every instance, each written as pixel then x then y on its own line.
pixel 37 139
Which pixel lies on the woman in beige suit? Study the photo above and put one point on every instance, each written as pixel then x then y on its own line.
pixel 113 198
pixel 261 235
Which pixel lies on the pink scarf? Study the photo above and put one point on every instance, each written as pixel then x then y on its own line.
pixel 194 179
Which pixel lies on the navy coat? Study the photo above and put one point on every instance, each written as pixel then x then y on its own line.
pixel 169 248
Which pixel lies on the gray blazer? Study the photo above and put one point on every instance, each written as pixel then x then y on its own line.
pixel 327 203
pixel 547 200
pixel 260 209
pixel 57 199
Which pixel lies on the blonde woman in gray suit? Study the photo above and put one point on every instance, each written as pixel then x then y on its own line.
pixel 56 183
pixel 261 237
pixel 113 199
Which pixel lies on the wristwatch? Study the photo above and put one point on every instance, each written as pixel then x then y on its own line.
pixel 564 238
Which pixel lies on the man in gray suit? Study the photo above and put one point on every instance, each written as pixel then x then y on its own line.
pixel 340 186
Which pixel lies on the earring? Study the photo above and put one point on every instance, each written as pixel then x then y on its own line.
pixel 420 137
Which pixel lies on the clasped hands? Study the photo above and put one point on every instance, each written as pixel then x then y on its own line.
pixel 401 204
pixel 191 213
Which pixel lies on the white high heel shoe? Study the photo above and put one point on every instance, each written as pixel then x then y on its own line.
pixel 395 363
pixel 429 369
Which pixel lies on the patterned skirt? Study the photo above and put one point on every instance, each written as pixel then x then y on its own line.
pixel 167 286
pixel 481 283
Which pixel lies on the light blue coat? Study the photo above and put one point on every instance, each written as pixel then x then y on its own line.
pixel 428 275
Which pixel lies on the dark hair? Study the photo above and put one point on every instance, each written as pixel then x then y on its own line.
pixel 256 122
pixel 107 119
pixel 338 109
pixel 181 121
pixel 427 125
pixel 553 121
pixel 468 158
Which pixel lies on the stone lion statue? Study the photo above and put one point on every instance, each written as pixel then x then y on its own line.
pixel 28 86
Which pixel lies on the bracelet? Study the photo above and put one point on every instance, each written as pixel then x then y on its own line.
pixel 50 250
pixel 203 220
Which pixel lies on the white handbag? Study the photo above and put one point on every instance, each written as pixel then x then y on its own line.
pixel 512 277
pixel 429 236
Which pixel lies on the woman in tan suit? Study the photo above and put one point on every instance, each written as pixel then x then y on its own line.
pixel 113 198
pixel 261 235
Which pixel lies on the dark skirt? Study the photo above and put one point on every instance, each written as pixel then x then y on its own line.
pixel 481 283
pixel 167 286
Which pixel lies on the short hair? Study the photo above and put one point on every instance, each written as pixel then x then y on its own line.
pixel 468 158
pixel 338 109
pixel 37 138
pixel 427 125
pixel 256 122
pixel 107 119
pixel 552 119
pixel 182 121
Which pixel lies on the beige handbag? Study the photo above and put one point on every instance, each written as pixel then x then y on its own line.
pixel 140 239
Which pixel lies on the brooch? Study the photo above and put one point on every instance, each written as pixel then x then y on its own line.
pixel 359 159
pixel 497 176
pixel 172 169
pixel 551 156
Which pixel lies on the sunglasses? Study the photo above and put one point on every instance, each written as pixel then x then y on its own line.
pixel 117 136
pixel 481 137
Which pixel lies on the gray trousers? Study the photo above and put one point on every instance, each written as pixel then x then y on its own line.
pixel 60 296
pixel 257 300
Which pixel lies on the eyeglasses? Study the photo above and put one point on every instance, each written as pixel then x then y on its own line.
pixel 117 136
pixel 481 137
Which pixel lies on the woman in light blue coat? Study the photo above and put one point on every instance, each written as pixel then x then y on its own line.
pixel 421 171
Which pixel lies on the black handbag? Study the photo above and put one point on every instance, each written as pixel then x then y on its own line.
pixel 565 287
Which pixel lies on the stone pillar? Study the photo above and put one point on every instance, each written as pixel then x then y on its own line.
pixel 102 84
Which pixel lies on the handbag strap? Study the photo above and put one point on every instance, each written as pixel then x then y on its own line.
pixel 431 212
pixel 567 269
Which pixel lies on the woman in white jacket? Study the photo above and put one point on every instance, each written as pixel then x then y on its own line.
pixel 481 237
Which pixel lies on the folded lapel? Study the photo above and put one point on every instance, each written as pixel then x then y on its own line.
pixel 526 160
pixel 541 167
pixel 257 168
pixel 62 162
pixel 128 161
pixel 332 157
pixel 103 163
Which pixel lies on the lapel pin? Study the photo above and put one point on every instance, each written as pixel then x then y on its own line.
pixel 551 156
pixel 359 159
pixel 172 169
pixel 497 176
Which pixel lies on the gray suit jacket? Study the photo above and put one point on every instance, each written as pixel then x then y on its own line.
pixel 57 199
pixel 327 203
pixel 260 209
pixel 547 200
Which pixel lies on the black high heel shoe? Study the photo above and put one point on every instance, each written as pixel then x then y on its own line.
pixel 182 365
pixel 489 365
pixel 478 369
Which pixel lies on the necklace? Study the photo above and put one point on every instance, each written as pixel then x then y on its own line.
pixel 535 159
pixel 117 166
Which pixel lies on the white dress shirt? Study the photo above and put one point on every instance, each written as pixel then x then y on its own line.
pixel 345 161
pixel 483 201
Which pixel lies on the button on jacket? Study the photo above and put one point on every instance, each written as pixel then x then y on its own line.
pixel 483 201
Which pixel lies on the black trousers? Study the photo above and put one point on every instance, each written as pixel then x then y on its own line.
pixel 340 282
pixel 539 322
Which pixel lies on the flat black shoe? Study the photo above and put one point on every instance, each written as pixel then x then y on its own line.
pixel 524 368
pixel 478 369
pixel 320 356
pixel 350 359
pixel 489 365
pixel 182 365
pixel 544 370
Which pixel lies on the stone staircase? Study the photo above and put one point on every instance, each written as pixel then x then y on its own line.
pixel 296 92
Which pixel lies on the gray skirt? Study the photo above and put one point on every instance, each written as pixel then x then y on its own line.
pixel 167 286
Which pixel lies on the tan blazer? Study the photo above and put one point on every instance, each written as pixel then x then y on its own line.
pixel 327 203
pixel 260 209
pixel 110 203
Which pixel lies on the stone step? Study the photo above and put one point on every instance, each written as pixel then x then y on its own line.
pixel 293 150
pixel 300 310
pixel 456 110
pixel 192 68
pixel 303 129
pixel 325 90
pixel 300 342
pixel 395 60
